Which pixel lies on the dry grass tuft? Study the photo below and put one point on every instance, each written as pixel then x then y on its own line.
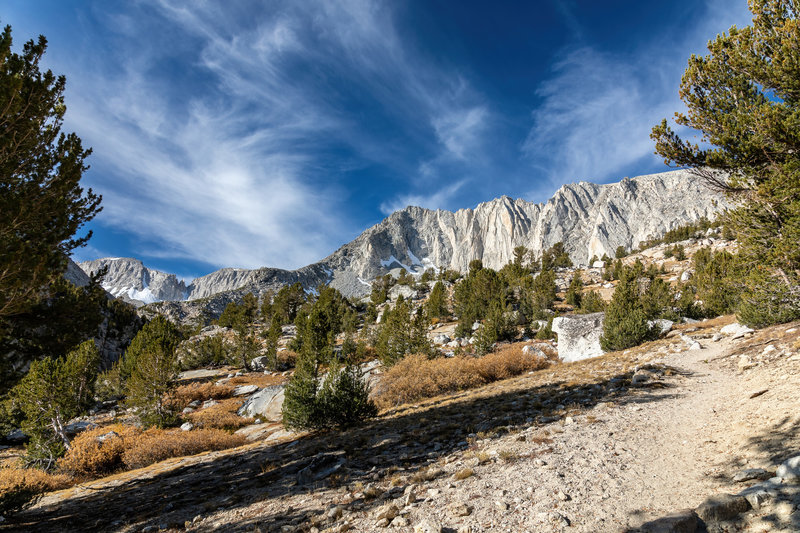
pixel 417 377
pixel 126 447
pixel 464 473
pixel 90 457
pixel 155 445
pixel 221 416
pixel 19 487
pixel 186 394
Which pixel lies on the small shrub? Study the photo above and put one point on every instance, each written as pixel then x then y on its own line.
pixel 20 487
pixel 417 377
pixel 221 416
pixel 90 457
pixel 186 394
pixel 156 445
pixel 464 473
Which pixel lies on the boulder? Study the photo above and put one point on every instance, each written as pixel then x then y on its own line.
pixel 259 363
pixel 534 351
pixel 789 470
pixel 722 507
pixel 598 264
pixel 661 325
pixel 735 330
pixel 187 426
pixel 441 339
pixel 401 290
pixel 579 336
pixel 680 522
pixel 266 404
pixel 245 390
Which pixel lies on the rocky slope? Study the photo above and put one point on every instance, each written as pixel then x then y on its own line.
pixel 590 219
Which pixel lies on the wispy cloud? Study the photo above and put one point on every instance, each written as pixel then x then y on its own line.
pixel 597 109
pixel 230 165
pixel 434 200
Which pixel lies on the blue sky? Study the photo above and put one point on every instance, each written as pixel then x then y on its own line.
pixel 270 133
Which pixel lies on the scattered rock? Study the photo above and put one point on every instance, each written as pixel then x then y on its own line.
pixel 661 325
pixel 321 467
pixel 429 525
pixel 716 338
pixel 441 339
pixel 387 512
pixel 640 377
pixel 722 507
pixel 187 426
pixel 260 363
pixel 244 390
pixel 460 509
pixel 750 474
pixel 735 330
pixel 410 494
pixel 789 470
pixel 681 522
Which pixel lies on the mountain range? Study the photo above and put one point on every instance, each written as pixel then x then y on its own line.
pixel 590 219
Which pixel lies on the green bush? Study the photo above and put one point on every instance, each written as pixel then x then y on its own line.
pixel 54 391
pixel 625 321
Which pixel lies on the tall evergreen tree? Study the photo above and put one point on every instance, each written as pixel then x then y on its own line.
pixel 744 99
pixel 42 204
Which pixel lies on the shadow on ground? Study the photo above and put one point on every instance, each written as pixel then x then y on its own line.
pixel 411 439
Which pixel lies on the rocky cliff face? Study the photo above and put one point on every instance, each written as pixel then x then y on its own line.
pixel 590 219
pixel 129 279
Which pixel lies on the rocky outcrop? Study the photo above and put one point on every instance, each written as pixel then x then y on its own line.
pixel 579 336
pixel 129 279
pixel 589 219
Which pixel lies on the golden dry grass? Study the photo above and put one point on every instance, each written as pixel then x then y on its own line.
pixel 130 447
pixel 33 478
pixel 155 445
pixel 186 394
pixel 89 457
pixel 417 377
pixel 220 416
pixel 259 379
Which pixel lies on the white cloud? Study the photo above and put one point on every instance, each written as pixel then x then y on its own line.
pixel 598 109
pixel 232 170
pixel 459 130
pixel 435 200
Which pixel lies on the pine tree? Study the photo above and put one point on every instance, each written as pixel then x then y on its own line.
pixel 626 321
pixel 148 368
pixel 344 398
pixel 54 391
pixel 744 99
pixel 436 306
pixel 573 296
pixel 42 205
pixel 591 302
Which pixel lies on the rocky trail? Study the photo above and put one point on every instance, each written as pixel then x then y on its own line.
pixel 598 445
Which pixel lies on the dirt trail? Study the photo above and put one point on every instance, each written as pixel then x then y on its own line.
pixel 576 448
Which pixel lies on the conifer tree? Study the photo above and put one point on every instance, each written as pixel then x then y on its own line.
pixel 54 391
pixel 744 99
pixel 436 306
pixel 573 296
pixel 148 368
pixel 42 204
pixel 625 321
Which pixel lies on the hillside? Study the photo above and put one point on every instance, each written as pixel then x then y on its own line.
pixel 587 446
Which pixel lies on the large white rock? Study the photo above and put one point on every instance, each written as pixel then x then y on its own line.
pixel 265 404
pixel 401 290
pixel 579 336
